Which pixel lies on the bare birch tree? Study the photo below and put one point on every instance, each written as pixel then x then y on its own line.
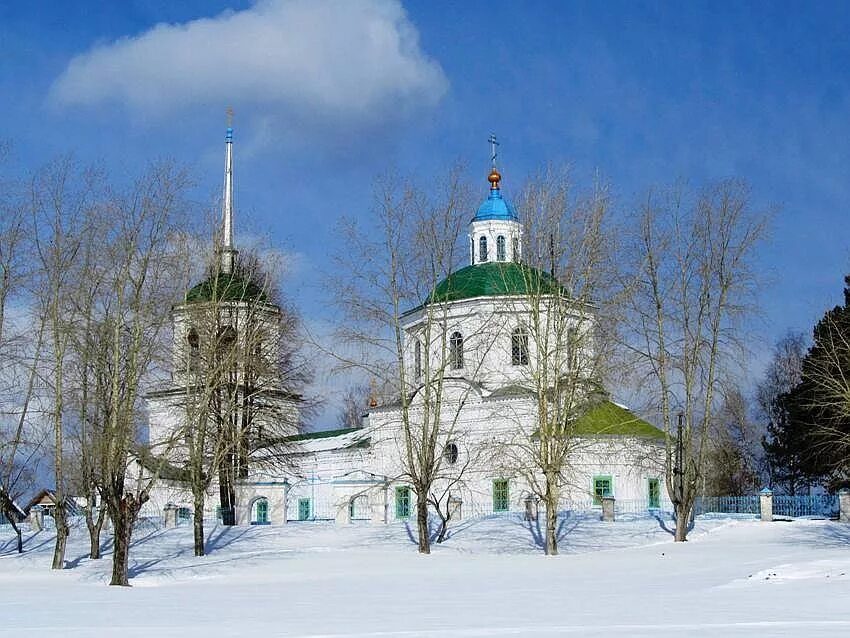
pixel 399 330
pixel 693 284
pixel 60 198
pixel 21 350
pixel 133 319
pixel 557 347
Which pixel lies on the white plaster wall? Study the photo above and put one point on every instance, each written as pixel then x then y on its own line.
pixel 487 324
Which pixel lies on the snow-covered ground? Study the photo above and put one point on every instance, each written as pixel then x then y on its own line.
pixel 734 578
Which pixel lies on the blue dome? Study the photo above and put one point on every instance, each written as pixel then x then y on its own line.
pixel 495 207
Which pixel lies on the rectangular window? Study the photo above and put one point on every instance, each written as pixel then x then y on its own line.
pixel 501 496
pixel 653 493
pixel 402 502
pixel 304 509
pixel 602 486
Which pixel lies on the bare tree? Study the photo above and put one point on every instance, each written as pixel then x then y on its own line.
pixel 556 347
pixel 693 284
pixel 783 453
pixel 240 371
pixel 20 352
pixel 142 283
pixel 732 461
pixel 355 402
pixel 60 197
pixel 399 330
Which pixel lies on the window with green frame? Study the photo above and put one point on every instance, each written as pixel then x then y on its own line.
pixel 304 509
pixel 261 512
pixel 602 486
pixel 501 495
pixel 402 502
pixel 653 493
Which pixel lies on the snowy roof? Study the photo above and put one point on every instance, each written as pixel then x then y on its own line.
pixel 332 439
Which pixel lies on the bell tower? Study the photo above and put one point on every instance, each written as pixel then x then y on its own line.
pixel 495 233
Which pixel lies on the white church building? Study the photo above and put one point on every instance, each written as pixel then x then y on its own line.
pixel 358 473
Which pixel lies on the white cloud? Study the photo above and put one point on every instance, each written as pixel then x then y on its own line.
pixel 331 59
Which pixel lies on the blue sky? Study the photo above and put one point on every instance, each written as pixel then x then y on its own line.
pixel 643 93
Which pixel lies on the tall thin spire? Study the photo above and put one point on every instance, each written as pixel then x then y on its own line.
pixel 228 253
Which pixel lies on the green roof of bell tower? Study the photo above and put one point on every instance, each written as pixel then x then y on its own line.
pixel 226 287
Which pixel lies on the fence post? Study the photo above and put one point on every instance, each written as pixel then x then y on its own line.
pixel 378 506
pixel 284 519
pixel 844 505
pixel 343 512
pixel 608 509
pixel 766 504
pixel 169 514
pixel 37 518
pixel 455 508
pixel 530 508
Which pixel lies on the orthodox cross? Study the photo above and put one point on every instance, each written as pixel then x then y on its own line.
pixel 493 145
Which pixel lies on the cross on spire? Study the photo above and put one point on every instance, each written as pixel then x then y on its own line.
pixel 493 145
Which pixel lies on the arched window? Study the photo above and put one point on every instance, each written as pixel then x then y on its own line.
pixel 519 347
pixel 472 249
pixel 456 351
pixel 482 249
pixel 500 248
pixel 260 512
pixel 417 359
pixel 515 255
pixel 226 338
pixel 194 343
pixel 451 453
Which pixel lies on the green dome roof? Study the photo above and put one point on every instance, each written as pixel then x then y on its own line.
pixel 495 278
pixel 226 287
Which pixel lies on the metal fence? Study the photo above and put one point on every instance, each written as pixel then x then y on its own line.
pixel 821 505
pixel 727 505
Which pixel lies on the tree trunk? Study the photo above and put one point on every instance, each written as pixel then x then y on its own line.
pixel 61 534
pixel 227 498
pixel 444 520
pixel 17 534
pixel 551 499
pixel 95 527
pixel 121 551
pixel 683 519
pixel 444 525
pixel 198 525
pixel 422 523
pixel 123 518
